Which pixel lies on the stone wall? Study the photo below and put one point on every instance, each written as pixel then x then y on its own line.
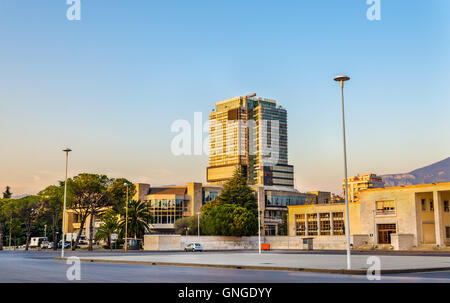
pixel 177 242
pixel 402 242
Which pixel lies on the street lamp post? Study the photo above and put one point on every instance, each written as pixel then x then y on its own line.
pixel 342 79
pixel 126 220
pixel 259 229
pixel 67 151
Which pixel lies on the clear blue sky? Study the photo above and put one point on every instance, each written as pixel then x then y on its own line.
pixel 111 84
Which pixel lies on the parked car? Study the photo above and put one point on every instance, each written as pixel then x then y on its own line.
pixel 66 244
pixel 46 244
pixel 193 247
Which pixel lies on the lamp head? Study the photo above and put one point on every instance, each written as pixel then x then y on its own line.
pixel 341 78
pixel 67 150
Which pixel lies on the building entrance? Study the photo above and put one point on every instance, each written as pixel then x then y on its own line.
pixel 384 233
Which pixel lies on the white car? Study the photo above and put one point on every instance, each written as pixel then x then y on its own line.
pixel 193 247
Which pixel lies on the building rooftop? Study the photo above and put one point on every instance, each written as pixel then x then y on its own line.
pixel 175 190
pixel 409 186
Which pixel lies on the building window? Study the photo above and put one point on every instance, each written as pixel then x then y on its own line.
pixel 270 230
pixel 446 206
pixel 312 224
pixel 447 232
pixel 300 226
pixel 325 224
pixel 431 205
pixel 385 207
pixel 338 223
pixel 209 196
pixel 424 205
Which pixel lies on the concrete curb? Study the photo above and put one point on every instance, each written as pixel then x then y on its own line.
pixel 271 268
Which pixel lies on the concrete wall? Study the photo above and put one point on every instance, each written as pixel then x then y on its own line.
pixel 359 240
pixel 162 243
pixel 177 242
pixel 319 242
pixel 402 242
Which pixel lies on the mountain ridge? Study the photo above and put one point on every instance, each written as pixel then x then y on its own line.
pixel 435 173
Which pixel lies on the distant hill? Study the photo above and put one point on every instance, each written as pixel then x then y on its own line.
pixel 434 173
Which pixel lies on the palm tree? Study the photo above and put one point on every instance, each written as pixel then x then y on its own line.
pixel 109 226
pixel 138 220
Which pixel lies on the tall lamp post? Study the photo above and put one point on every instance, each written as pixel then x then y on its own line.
pixel 126 220
pixel 342 79
pixel 67 151
pixel 259 229
pixel 259 220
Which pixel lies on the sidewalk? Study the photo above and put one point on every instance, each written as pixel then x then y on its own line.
pixel 328 263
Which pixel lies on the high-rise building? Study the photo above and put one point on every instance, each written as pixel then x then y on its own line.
pixel 359 183
pixel 249 133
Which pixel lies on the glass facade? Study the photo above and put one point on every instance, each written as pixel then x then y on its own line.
pixel 208 196
pixel 283 201
pixel 242 132
pixel 165 211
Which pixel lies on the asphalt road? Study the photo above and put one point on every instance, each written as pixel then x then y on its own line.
pixel 39 266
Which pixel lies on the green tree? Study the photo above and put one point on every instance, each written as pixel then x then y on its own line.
pixel 92 194
pixel 109 226
pixel 3 219
pixel 139 220
pixel 27 209
pixel 189 223
pixel 229 220
pixel 234 212
pixel 236 191
pixel 283 227
pixel 118 193
pixel 52 200
pixel 89 196
pixel 15 226
pixel 7 193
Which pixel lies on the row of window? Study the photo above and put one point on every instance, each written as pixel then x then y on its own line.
pixel 388 207
pixel 430 205
pixel 319 224
pixel 385 207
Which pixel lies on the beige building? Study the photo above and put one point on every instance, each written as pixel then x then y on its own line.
pixel 401 217
pixel 170 203
pixel 73 226
pixel 361 182
pixel 419 213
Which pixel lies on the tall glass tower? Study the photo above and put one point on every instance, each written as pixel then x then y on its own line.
pixel 250 133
